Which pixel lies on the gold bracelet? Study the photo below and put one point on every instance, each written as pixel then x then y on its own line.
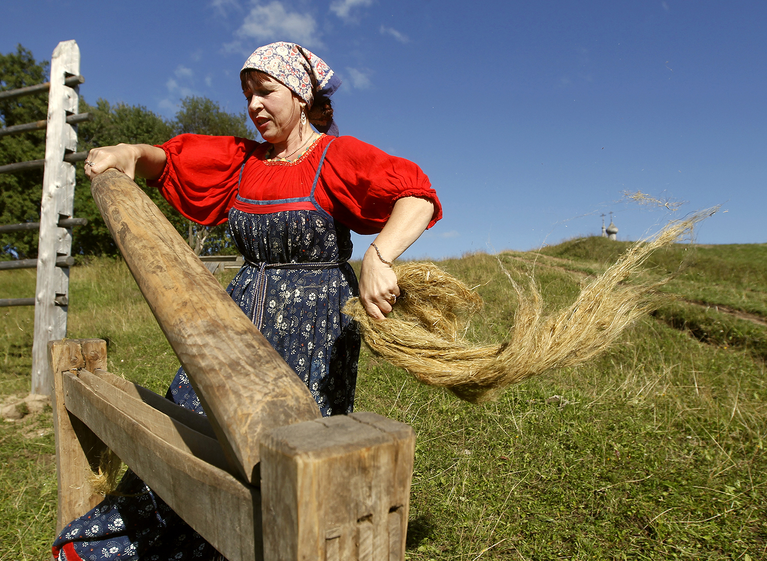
pixel 379 255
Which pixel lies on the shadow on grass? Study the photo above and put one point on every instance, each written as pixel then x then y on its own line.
pixel 419 529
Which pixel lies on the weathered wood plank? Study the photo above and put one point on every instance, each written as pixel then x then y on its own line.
pixel 224 510
pixel 173 432
pixel 337 488
pixel 77 448
pixel 57 200
pixel 244 385
pixel 189 418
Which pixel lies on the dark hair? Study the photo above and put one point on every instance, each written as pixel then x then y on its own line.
pixel 250 74
pixel 319 114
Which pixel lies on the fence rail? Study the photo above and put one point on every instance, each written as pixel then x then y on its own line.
pixel 11 302
pixel 70 158
pixel 64 261
pixel 71 81
pixel 42 124
pixel 63 223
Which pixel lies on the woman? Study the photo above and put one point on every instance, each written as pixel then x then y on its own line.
pixel 291 202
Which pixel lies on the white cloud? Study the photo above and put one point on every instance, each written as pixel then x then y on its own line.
pixel 360 79
pixel 183 72
pixel 401 37
pixel 223 7
pixel 179 85
pixel 167 105
pixel 450 234
pixel 343 8
pixel 273 22
pixel 178 90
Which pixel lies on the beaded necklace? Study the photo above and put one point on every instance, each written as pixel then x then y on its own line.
pixel 305 146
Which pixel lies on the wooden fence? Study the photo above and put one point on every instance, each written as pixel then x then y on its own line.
pixel 54 258
pixel 264 477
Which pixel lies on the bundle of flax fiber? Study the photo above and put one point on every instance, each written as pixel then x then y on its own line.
pixel 424 335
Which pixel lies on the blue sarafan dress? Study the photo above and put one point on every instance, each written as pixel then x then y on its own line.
pixel 291 221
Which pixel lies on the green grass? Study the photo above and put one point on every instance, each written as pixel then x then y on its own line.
pixel 653 451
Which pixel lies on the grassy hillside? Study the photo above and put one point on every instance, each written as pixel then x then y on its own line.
pixel 653 451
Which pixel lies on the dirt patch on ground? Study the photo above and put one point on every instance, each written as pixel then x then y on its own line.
pixel 16 408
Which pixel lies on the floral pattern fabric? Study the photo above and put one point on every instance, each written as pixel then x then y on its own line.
pixel 306 74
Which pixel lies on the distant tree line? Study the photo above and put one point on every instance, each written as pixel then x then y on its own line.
pixel 112 123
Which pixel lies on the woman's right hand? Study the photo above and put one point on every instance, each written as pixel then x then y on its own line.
pixel 121 157
pixel 131 159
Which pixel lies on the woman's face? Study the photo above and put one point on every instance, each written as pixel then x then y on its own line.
pixel 273 108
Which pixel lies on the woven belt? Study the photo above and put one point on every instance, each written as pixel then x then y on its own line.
pixel 257 314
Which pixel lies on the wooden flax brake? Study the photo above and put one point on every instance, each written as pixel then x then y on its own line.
pixel 265 476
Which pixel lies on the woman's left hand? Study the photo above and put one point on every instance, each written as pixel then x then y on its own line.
pixel 378 286
pixel 378 283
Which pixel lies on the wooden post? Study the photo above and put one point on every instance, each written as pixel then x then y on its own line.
pixel 78 449
pixel 57 201
pixel 245 386
pixel 337 489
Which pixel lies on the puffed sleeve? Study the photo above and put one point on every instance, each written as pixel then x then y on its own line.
pixel 361 184
pixel 201 174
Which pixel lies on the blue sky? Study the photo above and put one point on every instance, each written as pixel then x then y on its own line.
pixel 532 119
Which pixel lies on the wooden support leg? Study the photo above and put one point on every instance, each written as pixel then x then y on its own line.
pixel 78 450
pixel 337 489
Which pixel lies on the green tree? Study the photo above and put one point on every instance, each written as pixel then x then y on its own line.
pixel 200 115
pixel 20 192
pixel 113 124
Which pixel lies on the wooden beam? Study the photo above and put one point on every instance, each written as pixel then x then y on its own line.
pixel 172 431
pixel 245 387
pixel 194 421
pixel 223 509
pixel 337 489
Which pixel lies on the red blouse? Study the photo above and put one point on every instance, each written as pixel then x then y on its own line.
pixel 358 184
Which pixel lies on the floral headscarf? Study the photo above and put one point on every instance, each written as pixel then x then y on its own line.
pixel 303 72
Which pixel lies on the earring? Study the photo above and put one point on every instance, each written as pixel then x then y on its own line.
pixel 303 118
